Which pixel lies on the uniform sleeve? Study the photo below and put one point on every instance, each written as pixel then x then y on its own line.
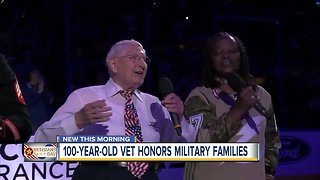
pixel 62 122
pixel 272 143
pixel 213 129
pixel 14 120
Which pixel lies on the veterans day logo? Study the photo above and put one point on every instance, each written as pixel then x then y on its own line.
pixel 39 152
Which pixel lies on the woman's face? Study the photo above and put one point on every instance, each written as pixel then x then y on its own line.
pixel 225 56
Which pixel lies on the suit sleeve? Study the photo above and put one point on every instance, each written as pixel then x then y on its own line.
pixel 14 122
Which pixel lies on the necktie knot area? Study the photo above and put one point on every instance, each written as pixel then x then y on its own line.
pixel 127 94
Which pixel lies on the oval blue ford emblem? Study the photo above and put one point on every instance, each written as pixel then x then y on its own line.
pixel 293 149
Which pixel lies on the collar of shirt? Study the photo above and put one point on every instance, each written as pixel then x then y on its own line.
pixel 114 88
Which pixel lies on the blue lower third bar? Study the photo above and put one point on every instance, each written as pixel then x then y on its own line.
pixel 96 139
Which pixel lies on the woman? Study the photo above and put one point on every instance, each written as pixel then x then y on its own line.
pixel 225 115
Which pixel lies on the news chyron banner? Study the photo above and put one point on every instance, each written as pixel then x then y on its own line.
pixel 124 148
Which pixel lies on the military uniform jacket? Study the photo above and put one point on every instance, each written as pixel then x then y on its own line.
pixel 207 111
pixel 14 120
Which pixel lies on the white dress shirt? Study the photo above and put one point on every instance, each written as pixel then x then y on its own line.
pixel 156 126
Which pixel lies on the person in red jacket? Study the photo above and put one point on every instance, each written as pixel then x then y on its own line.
pixel 15 125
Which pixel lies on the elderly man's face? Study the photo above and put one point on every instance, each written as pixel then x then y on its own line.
pixel 130 69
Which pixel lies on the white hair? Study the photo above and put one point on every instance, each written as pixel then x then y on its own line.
pixel 118 49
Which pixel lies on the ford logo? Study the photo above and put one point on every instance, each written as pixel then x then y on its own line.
pixel 293 149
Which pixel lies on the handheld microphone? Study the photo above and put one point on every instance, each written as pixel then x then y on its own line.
pixel 237 84
pixel 165 88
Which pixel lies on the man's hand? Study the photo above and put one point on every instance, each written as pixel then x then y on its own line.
pixel 94 112
pixel 174 104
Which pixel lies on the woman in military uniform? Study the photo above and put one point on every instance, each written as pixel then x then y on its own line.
pixel 222 115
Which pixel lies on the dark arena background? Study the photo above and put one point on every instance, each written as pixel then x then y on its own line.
pixel 66 41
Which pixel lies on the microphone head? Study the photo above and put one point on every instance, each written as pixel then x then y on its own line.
pixel 236 82
pixel 165 86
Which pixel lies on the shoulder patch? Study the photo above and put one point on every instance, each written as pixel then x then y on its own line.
pixel 196 121
pixel 19 93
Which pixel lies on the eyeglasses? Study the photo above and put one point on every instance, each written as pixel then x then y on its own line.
pixel 136 58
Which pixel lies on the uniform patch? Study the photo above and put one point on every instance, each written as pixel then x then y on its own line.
pixel 19 93
pixel 196 121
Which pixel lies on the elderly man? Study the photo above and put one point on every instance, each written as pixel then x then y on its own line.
pixel 119 108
